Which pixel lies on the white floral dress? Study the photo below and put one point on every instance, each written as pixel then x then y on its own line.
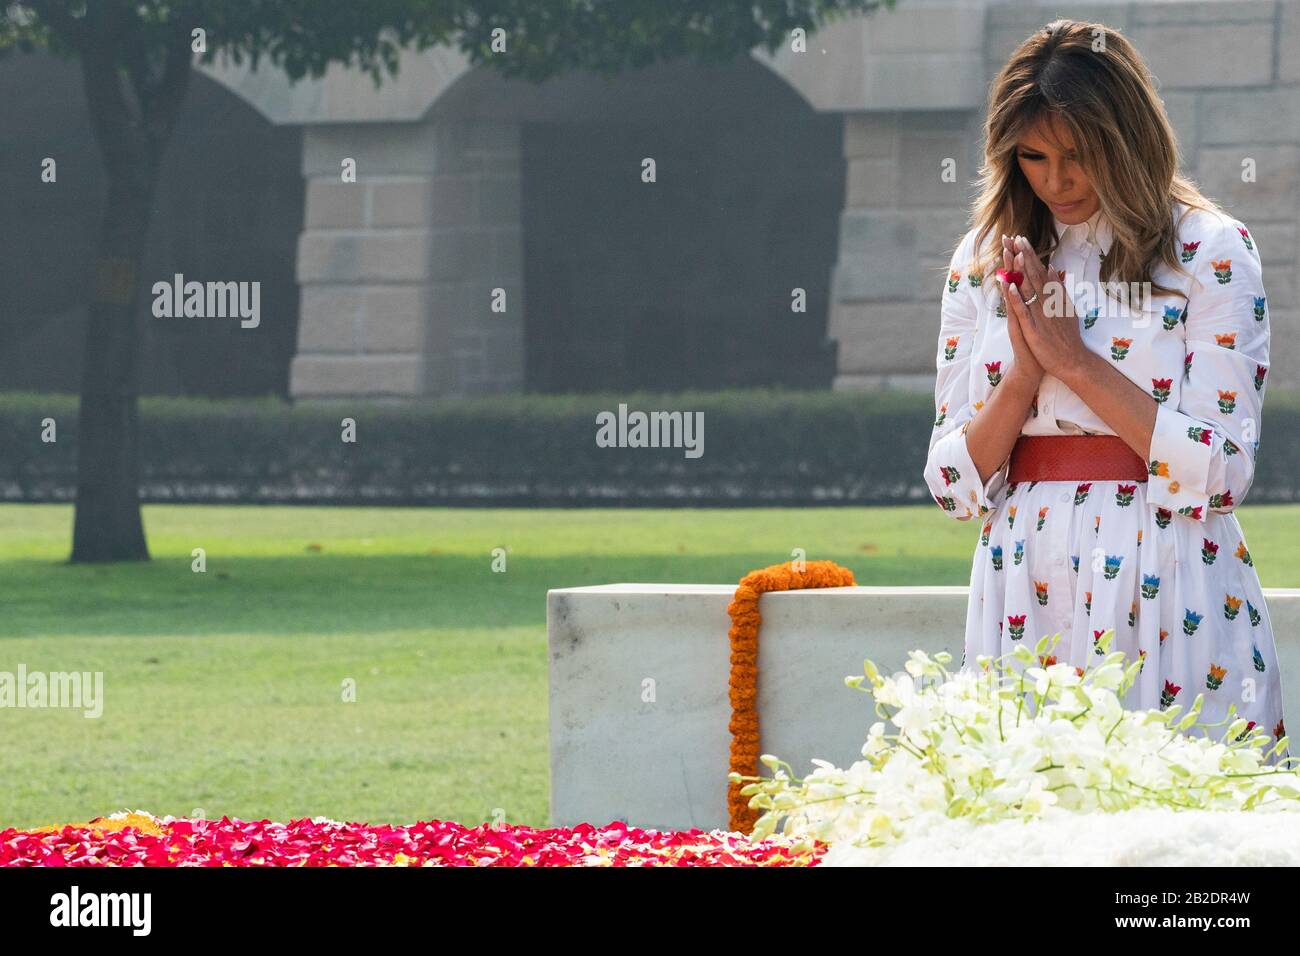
pixel 1164 562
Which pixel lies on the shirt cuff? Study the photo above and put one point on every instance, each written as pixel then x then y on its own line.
pixel 1181 451
pixel 957 487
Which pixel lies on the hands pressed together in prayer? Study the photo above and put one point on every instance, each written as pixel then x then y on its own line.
pixel 1045 340
pixel 1044 331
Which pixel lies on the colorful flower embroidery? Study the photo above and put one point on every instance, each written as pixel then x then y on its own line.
pixel 1169 693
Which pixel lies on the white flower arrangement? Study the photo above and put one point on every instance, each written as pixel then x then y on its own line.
pixel 1017 738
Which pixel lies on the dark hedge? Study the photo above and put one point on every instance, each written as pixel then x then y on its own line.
pixel 768 446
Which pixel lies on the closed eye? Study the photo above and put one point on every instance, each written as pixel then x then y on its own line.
pixel 1032 156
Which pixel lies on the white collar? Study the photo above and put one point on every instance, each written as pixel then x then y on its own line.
pixel 1096 228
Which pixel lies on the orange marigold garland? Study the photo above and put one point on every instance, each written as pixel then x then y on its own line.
pixel 745 620
pixel 142 822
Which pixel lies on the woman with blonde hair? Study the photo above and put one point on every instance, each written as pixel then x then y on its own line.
pixel 1101 375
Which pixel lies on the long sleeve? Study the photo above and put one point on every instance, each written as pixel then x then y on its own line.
pixel 1203 451
pixel 950 473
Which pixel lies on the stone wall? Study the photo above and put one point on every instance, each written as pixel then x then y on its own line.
pixel 397 268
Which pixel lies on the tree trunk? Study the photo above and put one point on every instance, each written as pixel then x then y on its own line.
pixel 132 117
pixel 107 525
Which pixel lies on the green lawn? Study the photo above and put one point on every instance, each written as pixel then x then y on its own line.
pixel 223 689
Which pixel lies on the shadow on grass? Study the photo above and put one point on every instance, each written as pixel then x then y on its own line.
pixel 336 594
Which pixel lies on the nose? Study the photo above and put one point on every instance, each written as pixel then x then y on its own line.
pixel 1058 179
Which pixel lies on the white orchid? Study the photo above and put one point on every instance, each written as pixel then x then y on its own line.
pixel 1017 737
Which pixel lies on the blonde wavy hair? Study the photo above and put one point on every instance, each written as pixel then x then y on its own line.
pixel 1091 78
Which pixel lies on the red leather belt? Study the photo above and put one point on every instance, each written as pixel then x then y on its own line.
pixel 1074 458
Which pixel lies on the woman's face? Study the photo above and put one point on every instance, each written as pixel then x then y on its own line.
pixel 1054 175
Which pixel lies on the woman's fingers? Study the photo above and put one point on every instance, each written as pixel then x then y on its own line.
pixel 1020 329
pixel 1008 252
pixel 1026 318
pixel 1015 308
pixel 1031 268
pixel 1021 293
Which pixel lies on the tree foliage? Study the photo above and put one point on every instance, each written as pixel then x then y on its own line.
pixel 543 38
